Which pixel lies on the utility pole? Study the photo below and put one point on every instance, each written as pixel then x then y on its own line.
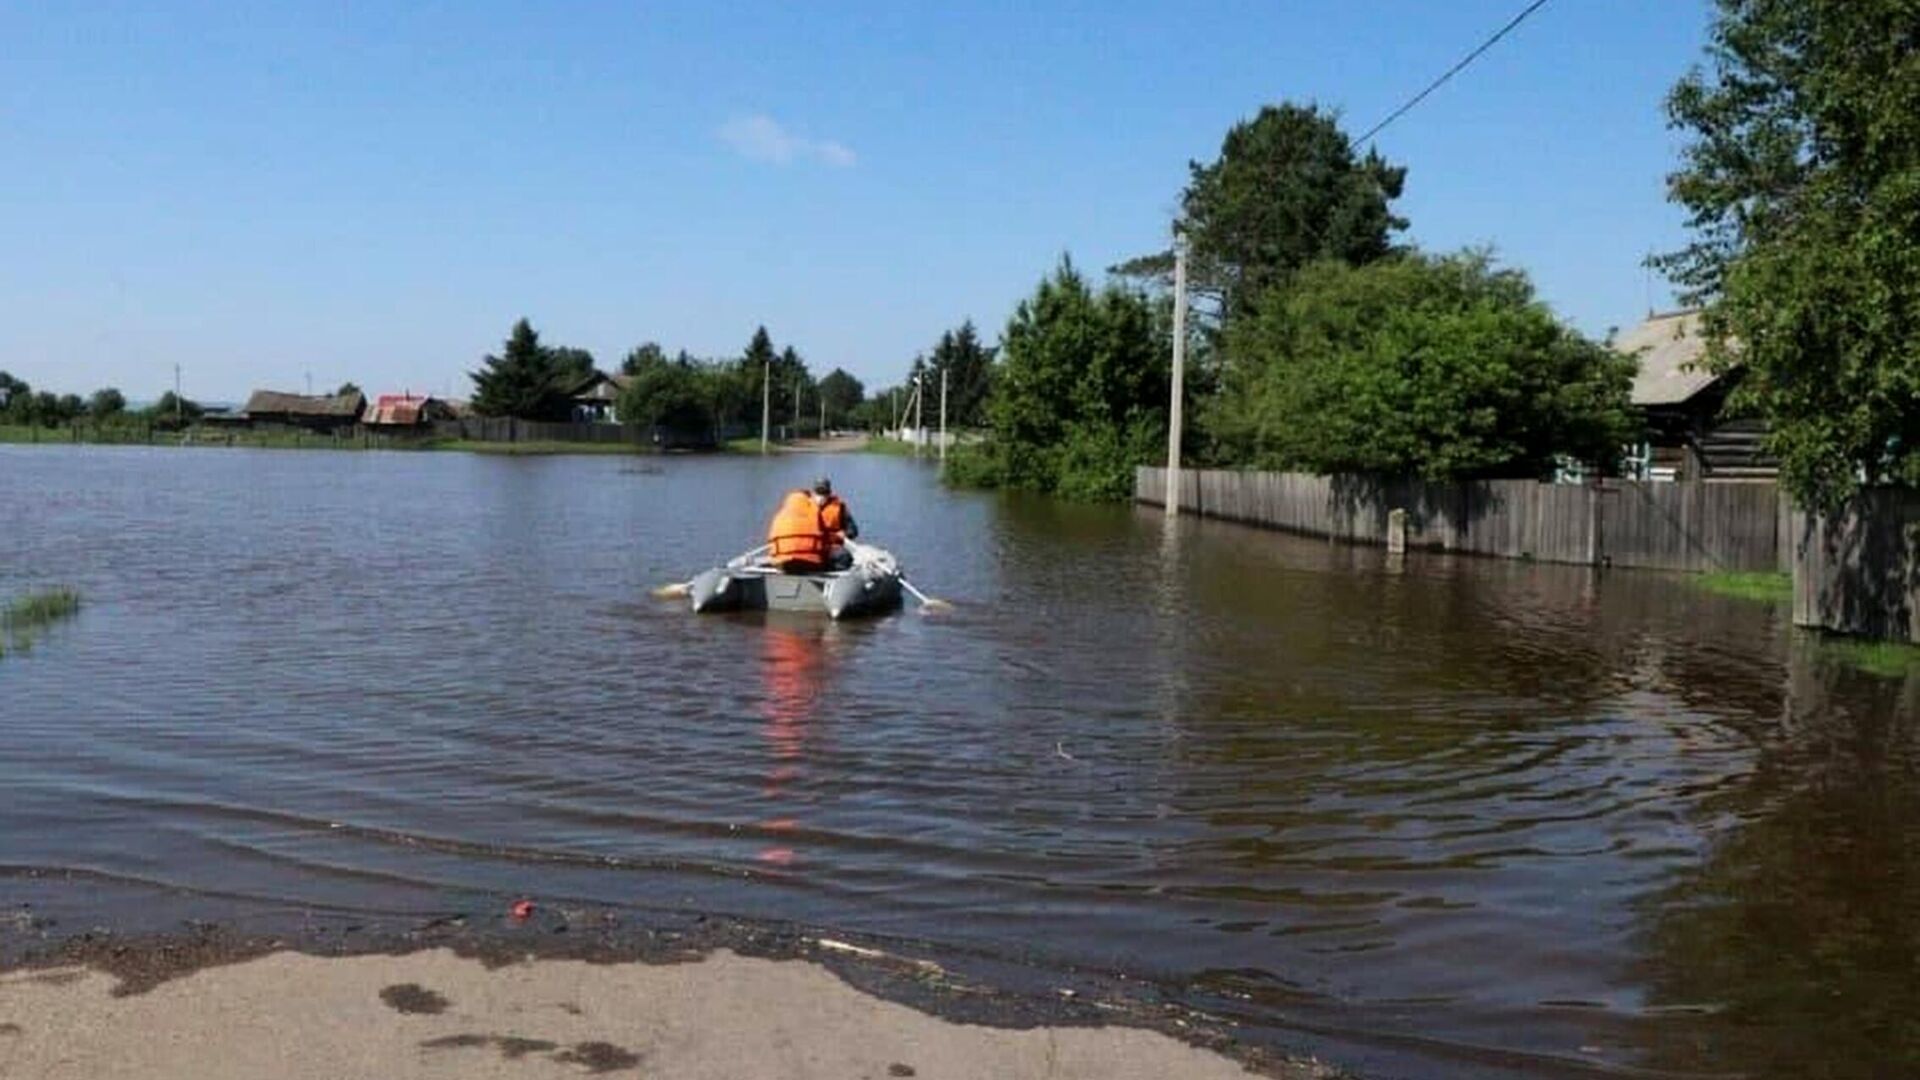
pixel 179 407
pixel 798 382
pixel 895 395
pixel 919 411
pixel 766 401
pixel 1174 410
pixel 943 418
pixel 823 416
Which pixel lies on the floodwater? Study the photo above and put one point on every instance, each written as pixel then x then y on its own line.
pixel 1440 817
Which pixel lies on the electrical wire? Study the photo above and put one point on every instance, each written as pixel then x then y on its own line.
pixel 1452 71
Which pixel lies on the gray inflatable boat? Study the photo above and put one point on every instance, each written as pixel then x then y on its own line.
pixel 871 586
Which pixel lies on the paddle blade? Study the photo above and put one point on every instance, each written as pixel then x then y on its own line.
pixel 673 592
pixel 933 605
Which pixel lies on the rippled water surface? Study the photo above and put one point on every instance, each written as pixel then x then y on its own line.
pixel 1446 817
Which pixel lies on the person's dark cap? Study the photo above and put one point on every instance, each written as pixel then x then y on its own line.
pixel 823 486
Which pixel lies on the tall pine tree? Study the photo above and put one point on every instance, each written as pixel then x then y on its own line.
pixel 520 382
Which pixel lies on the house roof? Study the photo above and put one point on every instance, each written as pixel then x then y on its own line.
pixel 1672 352
pixel 598 386
pixel 403 409
pixel 344 406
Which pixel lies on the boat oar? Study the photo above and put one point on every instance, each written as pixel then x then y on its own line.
pixel 681 588
pixel 927 603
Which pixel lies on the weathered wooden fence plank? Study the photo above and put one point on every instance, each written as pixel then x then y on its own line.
pixel 1858 569
pixel 1668 526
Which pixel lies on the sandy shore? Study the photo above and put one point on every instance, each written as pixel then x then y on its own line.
pixel 292 1016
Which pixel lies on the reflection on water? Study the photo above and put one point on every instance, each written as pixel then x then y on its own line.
pixel 796 668
pixel 1795 937
pixel 1432 816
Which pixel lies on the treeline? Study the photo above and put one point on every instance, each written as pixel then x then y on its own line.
pixel 961 362
pixel 687 393
pixel 714 396
pixel 22 406
pixel 1317 342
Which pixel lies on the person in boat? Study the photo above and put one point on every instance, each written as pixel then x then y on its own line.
pixel 809 531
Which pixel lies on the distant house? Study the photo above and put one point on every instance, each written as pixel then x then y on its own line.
pixel 405 412
pixel 326 412
pixel 1689 435
pixel 596 398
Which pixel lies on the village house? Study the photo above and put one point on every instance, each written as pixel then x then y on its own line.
pixel 406 412
pixel 596 398
pixel 1689 434
pixel 326 413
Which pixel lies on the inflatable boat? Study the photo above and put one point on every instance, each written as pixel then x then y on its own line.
pixel 870 586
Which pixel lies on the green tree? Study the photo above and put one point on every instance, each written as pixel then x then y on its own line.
pixel 348 389
pixel 1287 190
pixel 968 367
pixel 672 395
pixel 106 403
pixel 1080 394
pixel 643 356
pixel 172 411
pixel 1802 182
pixel 843 394
pixel 16 400
pixel 735 388
pixel 520 382
pixel 571 366
pixel 760 350
pixel 11 389
pixel 1442 367
pixel 792 389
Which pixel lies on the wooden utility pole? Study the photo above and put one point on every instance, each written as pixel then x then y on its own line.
pixel 943 418
pixel 1174 410
pixel 797 384
pixel 766 402
pixel 823 417
pixel 919 415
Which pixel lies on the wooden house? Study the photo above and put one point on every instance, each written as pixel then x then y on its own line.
pixel 596 398
pixel 322 413
pixel 1689 435
pixel 405 412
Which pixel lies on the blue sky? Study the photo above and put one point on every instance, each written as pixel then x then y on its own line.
pixel 375 192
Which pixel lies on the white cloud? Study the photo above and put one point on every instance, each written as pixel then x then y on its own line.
pixel 760 137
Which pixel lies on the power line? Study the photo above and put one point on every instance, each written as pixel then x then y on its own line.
pixel 1452 71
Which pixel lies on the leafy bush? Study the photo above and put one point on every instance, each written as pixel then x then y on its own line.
pixel 1079 396
pixel 1436 366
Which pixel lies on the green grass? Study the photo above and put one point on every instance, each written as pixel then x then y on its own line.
pixel 21 619
pixel 31 433
pixel 1771 588
pixel 895 447
pixel 1887 659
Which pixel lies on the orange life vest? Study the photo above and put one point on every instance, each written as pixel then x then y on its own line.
pixel 796 532
pixel 833 518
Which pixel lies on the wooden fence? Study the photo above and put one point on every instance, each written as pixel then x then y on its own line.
pixel 1857 571
pixel 1666 526
pixel 501 429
